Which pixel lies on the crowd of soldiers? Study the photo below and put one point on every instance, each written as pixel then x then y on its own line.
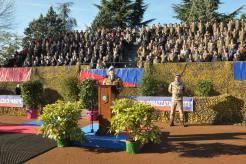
pixel 99 49
pixel 187 42
pixel 193 42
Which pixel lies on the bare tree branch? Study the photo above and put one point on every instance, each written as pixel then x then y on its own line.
pixel 7 9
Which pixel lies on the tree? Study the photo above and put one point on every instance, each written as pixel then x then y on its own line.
pixel 243 16
pixel 50 26
pixel 6 14
pixel 139 9
pixel 120 13
pixel 9 44
pixel 228 17
pixel 196 10
pixel 201 10
pixel 64 13
pixel 114 13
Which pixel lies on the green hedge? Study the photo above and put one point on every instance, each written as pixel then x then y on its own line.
pixel 219 73
pixel 13 111
pixel 223 109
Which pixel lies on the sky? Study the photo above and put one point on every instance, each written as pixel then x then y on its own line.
pixel 84 11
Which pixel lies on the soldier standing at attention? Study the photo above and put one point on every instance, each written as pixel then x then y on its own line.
pixel 177 89
pixel 113 79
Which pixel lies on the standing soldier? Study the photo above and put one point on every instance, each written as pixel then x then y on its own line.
pixel 177 89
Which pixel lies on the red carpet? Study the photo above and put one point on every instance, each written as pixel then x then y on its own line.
pixel 18 129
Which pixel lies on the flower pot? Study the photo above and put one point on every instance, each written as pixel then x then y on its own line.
pixel 62 142
pixel 32 113
pixel 132 147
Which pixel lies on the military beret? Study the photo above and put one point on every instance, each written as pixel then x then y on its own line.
pixel 111 68
pixel 177 74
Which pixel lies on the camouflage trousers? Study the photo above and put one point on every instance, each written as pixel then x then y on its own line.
pixel 177 104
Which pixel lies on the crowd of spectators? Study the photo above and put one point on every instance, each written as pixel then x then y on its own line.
pixel 193 42
pixel 187 42
pixel 99 49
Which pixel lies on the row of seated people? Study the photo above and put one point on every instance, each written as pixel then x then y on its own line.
pixel 186 42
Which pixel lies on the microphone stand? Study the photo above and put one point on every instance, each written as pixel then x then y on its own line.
pixel 92 111
pixel 92 116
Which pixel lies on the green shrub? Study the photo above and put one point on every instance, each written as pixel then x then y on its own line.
pixel 204 88
pixel 88 93
pixel 150 86
pixel 32 93
pixel 136 119
pixel 61 121
pixel 223 109
pixel 70 89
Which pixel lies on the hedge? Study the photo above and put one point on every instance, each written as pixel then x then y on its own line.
pixel 12 111
pixel 219 73
pixel 223 109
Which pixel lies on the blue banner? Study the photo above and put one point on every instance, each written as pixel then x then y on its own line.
pixel 164 103
pixel 239 69
pixel 131 77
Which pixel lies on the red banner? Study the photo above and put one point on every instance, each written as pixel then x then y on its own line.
pixel 15 74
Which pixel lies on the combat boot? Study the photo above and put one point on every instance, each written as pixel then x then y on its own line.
pixel 183 124
pixel 171 123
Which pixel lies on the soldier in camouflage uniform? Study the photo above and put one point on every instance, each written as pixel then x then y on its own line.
pixel 177 88
pixel 113 79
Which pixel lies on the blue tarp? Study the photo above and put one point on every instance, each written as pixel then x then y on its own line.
pixel 239 69
pixel 131 77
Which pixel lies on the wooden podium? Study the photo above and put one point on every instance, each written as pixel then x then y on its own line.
pixel 106 95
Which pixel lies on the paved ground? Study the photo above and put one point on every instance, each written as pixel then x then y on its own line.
pixel 194 144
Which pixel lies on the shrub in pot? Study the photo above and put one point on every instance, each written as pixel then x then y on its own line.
pixel 136 119
pixel 32 92
pixel 89 96
pixel 61 122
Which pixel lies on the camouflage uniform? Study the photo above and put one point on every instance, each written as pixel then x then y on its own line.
pixel 177 89
pixel 114 81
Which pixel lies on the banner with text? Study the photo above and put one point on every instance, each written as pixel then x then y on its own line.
pixel 164 103
pixel 11 101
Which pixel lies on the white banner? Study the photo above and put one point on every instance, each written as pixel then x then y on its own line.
pixel 11 101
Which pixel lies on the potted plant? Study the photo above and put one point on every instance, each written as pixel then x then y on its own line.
pixel 32 92
pixel 89 97
pixel 136 119
pixel 61 122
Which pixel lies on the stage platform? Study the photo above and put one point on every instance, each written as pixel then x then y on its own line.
pixel 109 142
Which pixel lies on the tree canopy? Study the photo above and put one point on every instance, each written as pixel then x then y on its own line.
pixel 10 43
pixel 64 10
pixel 44 27
pixel 120 13
pixel 202 10
pixel 52 25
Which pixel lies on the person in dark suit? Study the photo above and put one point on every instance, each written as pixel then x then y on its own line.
pixel 18 89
